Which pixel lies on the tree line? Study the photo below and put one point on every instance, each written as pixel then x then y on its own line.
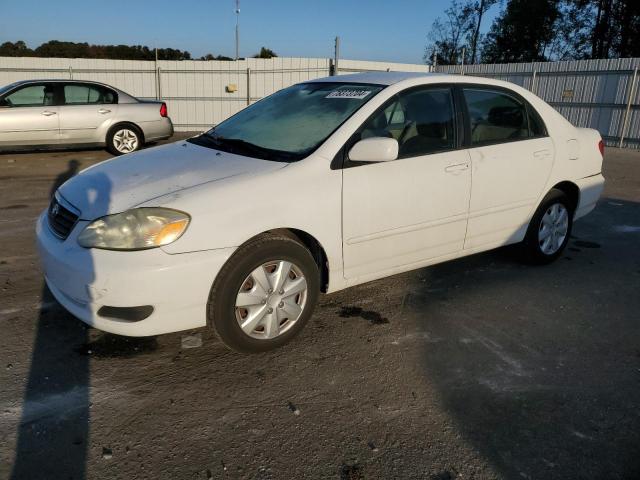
pixel 58 49
pixel 535 30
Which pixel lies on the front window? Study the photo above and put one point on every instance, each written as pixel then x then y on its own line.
pixel 290 124
pixel 30 96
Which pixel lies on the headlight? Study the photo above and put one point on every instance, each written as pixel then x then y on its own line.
pixel 135 229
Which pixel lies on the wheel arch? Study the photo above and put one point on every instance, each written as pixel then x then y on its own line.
pixel 571 190
pixel 311 243
pixel 124 123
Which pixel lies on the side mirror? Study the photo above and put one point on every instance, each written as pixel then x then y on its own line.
pixel 374 149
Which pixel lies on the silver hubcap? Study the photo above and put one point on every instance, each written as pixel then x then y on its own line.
pixel 271 299
pixel 125 140
pixel 553 228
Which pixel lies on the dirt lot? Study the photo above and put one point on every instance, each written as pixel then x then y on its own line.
pixel 477 368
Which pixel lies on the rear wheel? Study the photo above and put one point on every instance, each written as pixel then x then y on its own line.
pixel 550 228
pixel 124 139
pixel 264 295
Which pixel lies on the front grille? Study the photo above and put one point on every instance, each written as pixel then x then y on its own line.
pixel 61 219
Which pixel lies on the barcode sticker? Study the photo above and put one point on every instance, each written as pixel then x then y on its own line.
pixel 350 93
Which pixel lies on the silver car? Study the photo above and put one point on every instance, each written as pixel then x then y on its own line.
pixel 54 113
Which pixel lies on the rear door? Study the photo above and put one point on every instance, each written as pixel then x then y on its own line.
pixel 29 116
pixel 86 112
pixel 511 159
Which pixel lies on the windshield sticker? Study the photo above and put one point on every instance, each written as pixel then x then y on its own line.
pixel 350 93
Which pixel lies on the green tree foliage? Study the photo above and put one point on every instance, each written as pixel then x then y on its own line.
pixel 265 53
pixel 537 30
pixel 211 56
pixel 55 48
pixel 523 32
pixel 603 28
pixel 459 29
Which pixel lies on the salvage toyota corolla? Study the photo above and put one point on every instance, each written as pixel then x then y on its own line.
pixel 323 185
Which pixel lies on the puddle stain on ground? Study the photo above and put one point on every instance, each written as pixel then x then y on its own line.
pixel 14 207
pixel 586 244
pixel 351 472
pixel 113 346
pixel 374 318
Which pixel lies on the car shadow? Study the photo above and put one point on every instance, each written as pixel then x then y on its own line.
pixel 53 433
pixel 542 385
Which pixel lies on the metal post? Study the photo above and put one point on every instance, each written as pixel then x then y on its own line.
pixel 237 29
pixel 332 70
pixel 248 86
pixel 157 75
pixel 70 72
pixel 632 92
pixel 462 66
pixel 533 81
pixel 336 55
pixel 159 84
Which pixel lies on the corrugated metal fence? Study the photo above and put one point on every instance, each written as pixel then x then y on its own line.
pixel 600 94
pixel 199 94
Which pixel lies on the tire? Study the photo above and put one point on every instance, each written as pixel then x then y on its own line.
pixel 124 138
pixel 542 247
pixel 237 296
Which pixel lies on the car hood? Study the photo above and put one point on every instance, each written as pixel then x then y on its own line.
pixel 124 182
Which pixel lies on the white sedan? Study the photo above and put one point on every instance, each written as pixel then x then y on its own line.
pixel 321 186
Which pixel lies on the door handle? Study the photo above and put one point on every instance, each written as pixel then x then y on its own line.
pixel 541 153
pixel 457 168
pixel 103 111
pixel 48 113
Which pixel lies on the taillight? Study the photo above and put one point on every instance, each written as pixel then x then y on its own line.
pixel 163 110
pixel 601 148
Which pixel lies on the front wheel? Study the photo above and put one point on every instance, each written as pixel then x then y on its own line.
pixel 264 295
pixel 124 139
pixel 550 228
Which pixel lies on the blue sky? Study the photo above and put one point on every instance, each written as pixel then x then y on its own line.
pixel 391 30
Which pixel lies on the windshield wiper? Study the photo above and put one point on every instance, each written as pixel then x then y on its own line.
pixel 242 147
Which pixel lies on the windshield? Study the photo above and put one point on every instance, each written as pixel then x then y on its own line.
pixel 291 123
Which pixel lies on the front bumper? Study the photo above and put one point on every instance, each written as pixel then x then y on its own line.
pixel 84 280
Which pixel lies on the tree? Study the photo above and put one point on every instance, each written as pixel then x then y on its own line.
pixel 523 32
pixel 210 56
pixel 17 49
pixel 608 28
pixel 450 34
pixel 265 53
pixel 480 8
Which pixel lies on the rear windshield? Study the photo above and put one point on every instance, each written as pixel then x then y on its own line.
pixel 291 123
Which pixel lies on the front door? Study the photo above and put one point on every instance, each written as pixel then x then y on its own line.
pixel 401 214
pixel 29 116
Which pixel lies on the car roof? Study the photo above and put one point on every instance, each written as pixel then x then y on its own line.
pixel 381 78
pixel 72 80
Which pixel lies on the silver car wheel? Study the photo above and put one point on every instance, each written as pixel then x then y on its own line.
pixel 553 228
pixel 271 299
pixel 125 140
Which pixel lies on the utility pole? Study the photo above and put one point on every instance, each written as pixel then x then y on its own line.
pixel 464 51
pixel 336 56
pixel 237 29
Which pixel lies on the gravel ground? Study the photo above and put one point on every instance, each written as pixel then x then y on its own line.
pixel 476 368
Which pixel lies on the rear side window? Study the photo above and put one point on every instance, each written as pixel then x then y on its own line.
pixel 421 120
pixel 497 117
pixel 78 94
pixel 30 96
